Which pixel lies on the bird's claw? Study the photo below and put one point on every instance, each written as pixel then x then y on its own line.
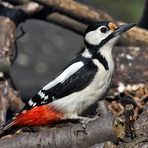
pixel 84 121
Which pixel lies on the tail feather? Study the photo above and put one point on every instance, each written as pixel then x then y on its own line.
pixel 5 127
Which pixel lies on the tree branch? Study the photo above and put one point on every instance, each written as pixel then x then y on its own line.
pixel 63 21
pixel 76 10
pixel 84 14
pixel 99 130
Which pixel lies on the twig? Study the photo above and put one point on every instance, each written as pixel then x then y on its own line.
pixel 129 121
pixel 141 129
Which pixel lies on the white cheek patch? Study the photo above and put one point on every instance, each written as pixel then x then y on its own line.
pixel 64 75
pixel 95 37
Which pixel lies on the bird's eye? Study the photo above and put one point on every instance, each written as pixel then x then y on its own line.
pixel 103 29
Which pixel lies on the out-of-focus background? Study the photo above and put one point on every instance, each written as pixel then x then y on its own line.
pixel 46 48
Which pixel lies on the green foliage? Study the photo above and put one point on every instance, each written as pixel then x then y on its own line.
pixel 125 10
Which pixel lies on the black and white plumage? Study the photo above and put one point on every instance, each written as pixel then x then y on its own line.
pixel 88 76
pixel 82 82
pixel 74 78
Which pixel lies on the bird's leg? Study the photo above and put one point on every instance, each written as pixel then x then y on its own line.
pixel 83 121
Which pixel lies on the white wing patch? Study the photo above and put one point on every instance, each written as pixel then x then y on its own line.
pixel 64 75
pixel 46 98
pixel 41 94
pixel 31 103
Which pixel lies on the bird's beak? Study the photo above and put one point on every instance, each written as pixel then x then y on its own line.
pixel 123 28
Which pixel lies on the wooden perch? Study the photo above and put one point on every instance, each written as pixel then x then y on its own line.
pixel 100 130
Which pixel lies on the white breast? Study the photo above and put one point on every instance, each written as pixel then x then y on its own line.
pixel 77 102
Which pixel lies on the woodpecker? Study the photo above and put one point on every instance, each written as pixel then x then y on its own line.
pixel 79 85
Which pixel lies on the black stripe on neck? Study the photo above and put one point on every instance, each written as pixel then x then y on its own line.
pixel 102 60
pixel 92 48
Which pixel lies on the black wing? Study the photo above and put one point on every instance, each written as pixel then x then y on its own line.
pixel 76 82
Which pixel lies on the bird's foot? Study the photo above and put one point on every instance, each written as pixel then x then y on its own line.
pixel 84 121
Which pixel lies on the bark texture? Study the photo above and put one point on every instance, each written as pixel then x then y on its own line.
pixel 99 130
